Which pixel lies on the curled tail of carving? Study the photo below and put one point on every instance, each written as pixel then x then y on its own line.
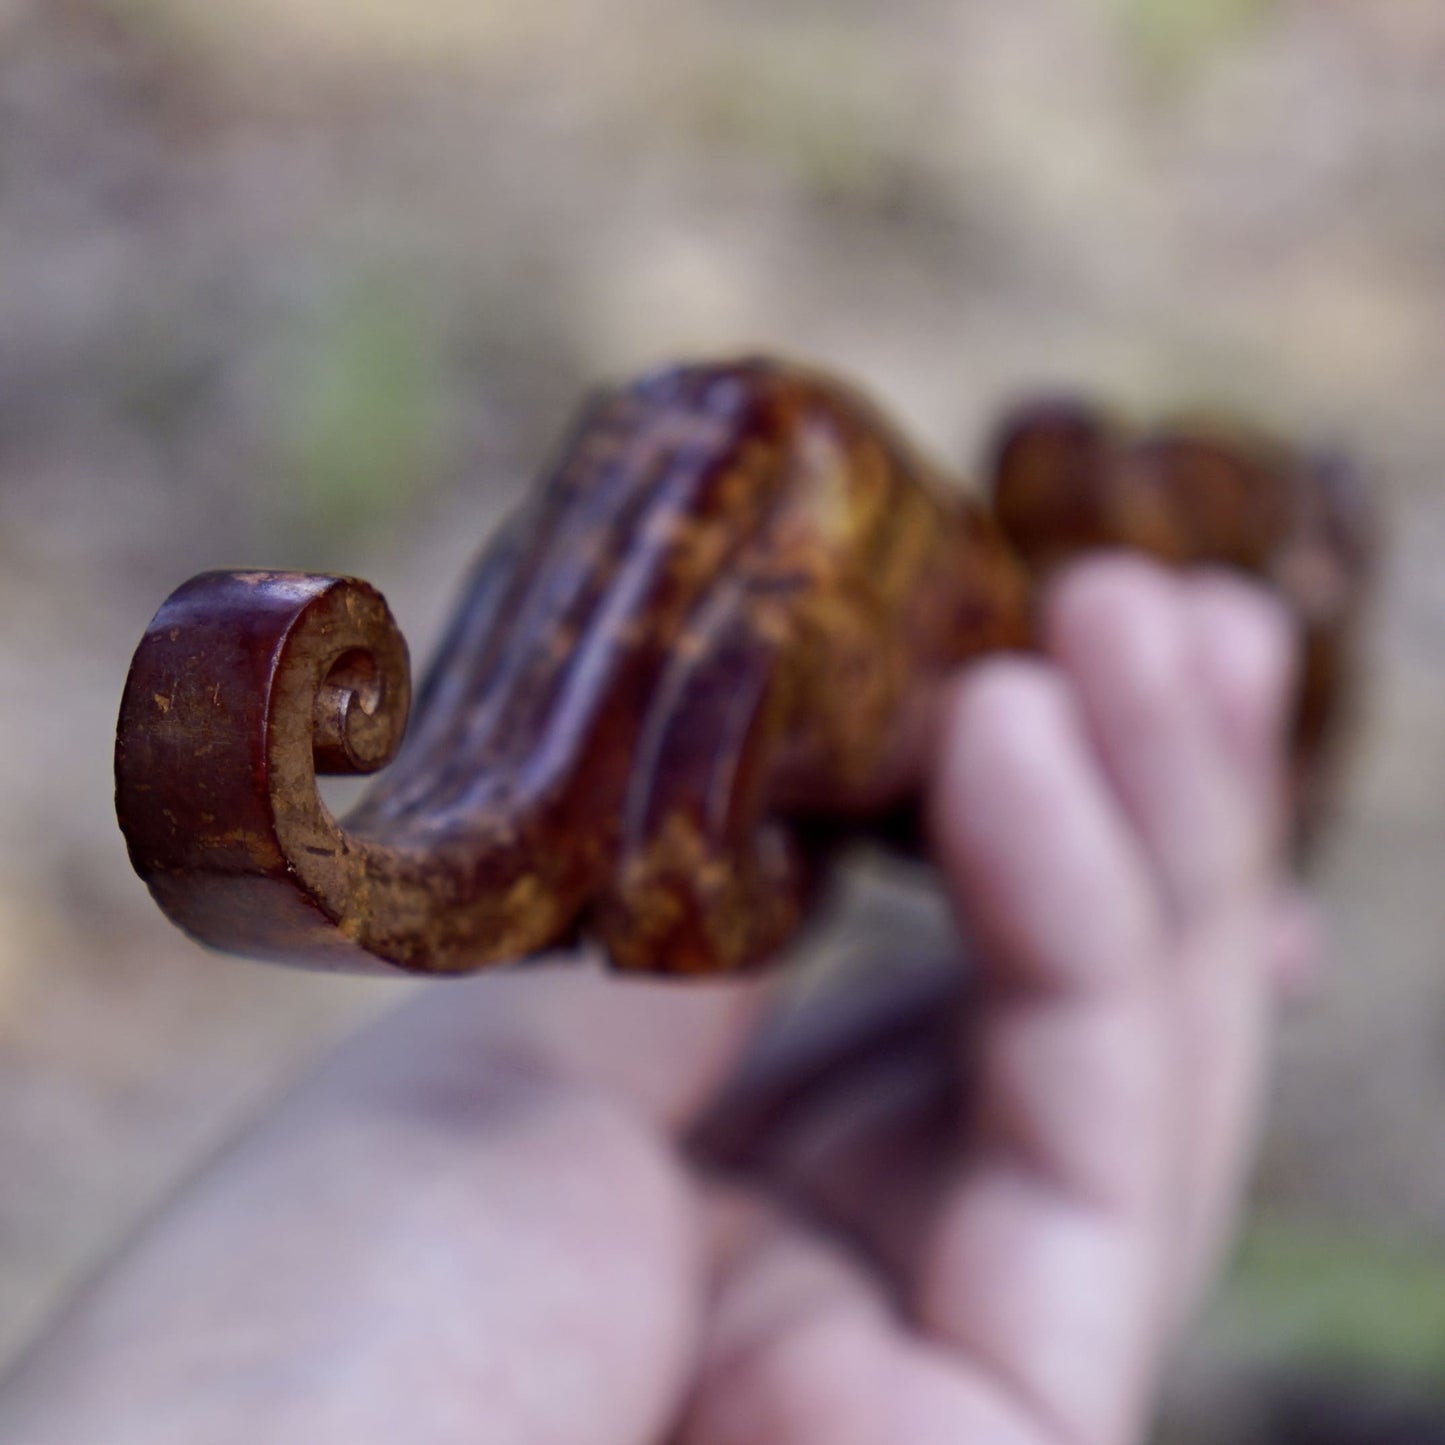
pixel 246 686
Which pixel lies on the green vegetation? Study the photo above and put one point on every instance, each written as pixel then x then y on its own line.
pixel 361 419
pixel 1325 1296
pixel 1180 34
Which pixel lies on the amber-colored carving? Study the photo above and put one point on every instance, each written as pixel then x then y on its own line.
pixel 1066 477
pixel 705 650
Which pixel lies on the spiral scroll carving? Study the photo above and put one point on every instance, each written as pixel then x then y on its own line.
pixel 700 656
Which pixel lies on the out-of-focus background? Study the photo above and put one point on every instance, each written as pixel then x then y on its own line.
pixel 314 283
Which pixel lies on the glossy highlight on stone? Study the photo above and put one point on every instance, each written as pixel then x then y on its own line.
pixel 701 655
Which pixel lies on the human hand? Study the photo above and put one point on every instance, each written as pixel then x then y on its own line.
pixel 552 1206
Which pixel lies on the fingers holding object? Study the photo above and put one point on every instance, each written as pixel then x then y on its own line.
pixel 1032 842
pixel 1245 655
pixel 1047 1245
pixel 1185 684
pixel 1121 629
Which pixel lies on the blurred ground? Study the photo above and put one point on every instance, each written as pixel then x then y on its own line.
pixel 305 283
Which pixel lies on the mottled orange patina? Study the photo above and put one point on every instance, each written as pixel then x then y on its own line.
pixel 702 655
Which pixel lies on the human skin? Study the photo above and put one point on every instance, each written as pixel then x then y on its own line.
pixel 983 1209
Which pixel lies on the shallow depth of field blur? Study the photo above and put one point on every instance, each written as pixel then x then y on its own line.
pixel 315 284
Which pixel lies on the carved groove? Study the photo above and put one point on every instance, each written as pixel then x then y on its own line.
pixel 719 624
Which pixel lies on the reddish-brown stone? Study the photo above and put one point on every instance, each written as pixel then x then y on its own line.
pixel 706 649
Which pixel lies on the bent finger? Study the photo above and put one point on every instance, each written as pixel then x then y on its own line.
pixel 1046 1253
pixel 1120 629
